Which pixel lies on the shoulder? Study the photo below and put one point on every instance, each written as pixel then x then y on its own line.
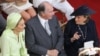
pixel 91 22
pixel 6 35
pixel 71 22
pixel 32 20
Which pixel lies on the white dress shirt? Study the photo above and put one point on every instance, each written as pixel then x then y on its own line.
pixel 42 20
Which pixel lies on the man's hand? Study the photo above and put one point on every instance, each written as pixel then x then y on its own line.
pixel 53 52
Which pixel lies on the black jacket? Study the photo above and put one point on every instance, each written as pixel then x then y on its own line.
pixel 91 34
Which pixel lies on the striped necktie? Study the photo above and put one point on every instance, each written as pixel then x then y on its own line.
pixel 47 28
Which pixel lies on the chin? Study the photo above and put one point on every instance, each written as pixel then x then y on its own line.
pixel 50 18
pixel 20 30
pixel 77 23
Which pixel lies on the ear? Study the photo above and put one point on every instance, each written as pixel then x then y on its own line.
pixel 42 14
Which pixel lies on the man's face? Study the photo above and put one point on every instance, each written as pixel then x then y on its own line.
pixel 49 12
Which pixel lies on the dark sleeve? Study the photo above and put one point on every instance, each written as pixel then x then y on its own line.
pixel 95 35
pixel 67 35
pixel 60 42
pixel 30 42
pixel 2 24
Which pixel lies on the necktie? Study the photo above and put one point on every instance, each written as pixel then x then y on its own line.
pixel 47 28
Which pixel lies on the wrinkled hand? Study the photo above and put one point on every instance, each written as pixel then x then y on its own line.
pixel 53 52
pixel 76 36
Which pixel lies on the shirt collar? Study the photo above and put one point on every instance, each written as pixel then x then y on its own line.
pixel 42 20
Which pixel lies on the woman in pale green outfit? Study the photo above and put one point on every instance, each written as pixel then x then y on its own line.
pixel 12 39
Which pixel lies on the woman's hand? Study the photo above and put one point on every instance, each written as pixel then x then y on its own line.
pixel 76 36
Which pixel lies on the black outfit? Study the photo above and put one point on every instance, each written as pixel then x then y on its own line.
pixel 89 33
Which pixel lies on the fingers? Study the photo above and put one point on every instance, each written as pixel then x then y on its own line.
pixel 76 35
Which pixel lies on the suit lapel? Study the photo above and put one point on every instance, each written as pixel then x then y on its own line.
pixel 42 31
pixel 52 28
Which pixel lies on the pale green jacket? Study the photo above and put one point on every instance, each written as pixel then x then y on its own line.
pixel 12 45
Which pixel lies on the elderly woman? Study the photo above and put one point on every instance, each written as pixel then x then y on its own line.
pixel 12 43
pixel 79 30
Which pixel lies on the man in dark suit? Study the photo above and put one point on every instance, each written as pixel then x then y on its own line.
pixel 38 41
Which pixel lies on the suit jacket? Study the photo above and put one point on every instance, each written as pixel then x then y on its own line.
pixel 38 41
pixel 2 24
pixel 2 27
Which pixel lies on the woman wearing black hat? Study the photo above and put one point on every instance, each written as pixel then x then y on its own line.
pixel 79 30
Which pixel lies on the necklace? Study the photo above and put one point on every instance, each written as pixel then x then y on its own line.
pixel 84 35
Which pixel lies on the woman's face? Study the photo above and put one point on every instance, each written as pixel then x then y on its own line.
pixel 20 26
pixel 80 19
